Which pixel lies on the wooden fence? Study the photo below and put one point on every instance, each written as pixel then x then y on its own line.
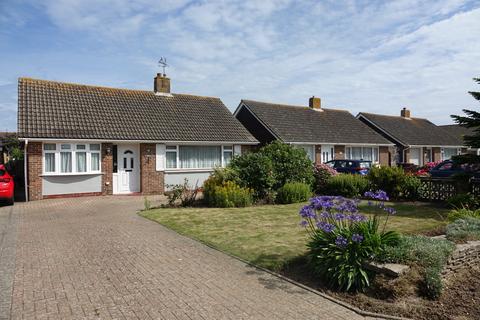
pixel 441 189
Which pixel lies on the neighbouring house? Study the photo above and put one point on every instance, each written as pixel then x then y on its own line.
pixel 91 140
pixel 4 136
pixel 325 134
pixel 418 140
pixel 458 132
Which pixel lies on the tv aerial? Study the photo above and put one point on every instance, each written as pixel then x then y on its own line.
pixel 163 63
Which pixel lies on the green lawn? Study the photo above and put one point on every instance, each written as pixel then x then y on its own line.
pixel 270 235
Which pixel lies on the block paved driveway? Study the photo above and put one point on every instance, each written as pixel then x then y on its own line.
pixel 95 258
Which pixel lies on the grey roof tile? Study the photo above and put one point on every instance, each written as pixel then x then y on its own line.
pixel 412 131
pixel 303 124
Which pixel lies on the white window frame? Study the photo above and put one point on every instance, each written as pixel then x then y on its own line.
pixel 459 151
pixel 224 148
pixel 375 153
pixel 73 150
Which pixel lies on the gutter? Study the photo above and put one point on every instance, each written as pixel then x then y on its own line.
pixel 25 171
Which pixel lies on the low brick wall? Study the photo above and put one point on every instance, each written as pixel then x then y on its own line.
pixel 465 255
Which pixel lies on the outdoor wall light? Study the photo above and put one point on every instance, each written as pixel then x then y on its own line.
pixel 108 151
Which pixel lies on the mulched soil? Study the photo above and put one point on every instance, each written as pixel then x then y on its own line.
pixel 460 299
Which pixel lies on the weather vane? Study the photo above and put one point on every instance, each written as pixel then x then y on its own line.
pixel 163 63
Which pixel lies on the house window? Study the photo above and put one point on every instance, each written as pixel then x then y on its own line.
pixel 171 156
pixel 362 153
pixel 448 153
pixel 66 158
pixel 227 155
pixel 197 157
pixel 49 150
pixel 309 150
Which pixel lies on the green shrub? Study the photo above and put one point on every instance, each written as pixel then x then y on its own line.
pixel 290 163
pixel 323 173
pixel 271 167
pixel 255 171
pixel 463 200
pixel 411 188
pixel 347 185
pixel 222 193
pixel 293 192
pixel 182 194
pixel 342 241
pixel 389 179
pixel 465 229
pixel 463 213
pixel 433 282
pixel 430 254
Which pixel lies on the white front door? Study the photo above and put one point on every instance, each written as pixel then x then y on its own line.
pixel 328 153
pixel 128 169
pixel 415 154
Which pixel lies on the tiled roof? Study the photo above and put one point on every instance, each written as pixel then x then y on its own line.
pixel 458 131
pixel 48 109
pixel 411 131
pixel 303 124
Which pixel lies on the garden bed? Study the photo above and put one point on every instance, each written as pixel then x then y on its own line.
pixel 269 236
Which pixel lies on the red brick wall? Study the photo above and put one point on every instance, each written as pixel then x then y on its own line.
pixel 339 152
pixel 151 180
pixel 34 169
pixel 383 156
pixel 107 168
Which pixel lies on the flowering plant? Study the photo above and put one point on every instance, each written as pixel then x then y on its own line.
pixel 323 172
pixel 425 169
pixel 342 239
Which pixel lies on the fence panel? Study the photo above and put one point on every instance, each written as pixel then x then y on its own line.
pixel 437 189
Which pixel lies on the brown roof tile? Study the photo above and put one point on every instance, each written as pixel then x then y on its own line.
pixel 49 109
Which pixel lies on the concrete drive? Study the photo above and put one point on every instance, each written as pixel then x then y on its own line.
pixel 95 258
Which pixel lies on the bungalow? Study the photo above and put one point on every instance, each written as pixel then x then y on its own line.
pixel 325 134
pixel 458 132
pixel 90 140
pixel 418 140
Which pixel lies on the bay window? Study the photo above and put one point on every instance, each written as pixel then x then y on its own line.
pixel 197 157
pixel 362 153
pixel 70 158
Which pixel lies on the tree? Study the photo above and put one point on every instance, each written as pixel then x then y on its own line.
pixel 471 120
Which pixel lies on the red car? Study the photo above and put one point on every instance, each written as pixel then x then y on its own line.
pixel 6 185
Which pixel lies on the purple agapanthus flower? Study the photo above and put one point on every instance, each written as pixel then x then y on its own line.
pixel 304 223
pixel 307 212
pixel 325 226
pixel 357 217
pixel 340 216
pixel 357 238
pixel 325 215
pixel 341 241
pixel 377 195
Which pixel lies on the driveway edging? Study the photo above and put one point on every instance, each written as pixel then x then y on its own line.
pixel 323 295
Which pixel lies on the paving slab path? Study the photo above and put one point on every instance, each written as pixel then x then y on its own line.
pixel 95 258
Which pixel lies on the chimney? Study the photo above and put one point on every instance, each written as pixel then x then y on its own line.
pixel 405 113
pixel 161 84
pixel 315 103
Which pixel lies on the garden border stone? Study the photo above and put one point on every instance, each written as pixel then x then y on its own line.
pixel 464 255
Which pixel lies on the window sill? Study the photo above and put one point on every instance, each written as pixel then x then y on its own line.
pixel 188 170
pixel 70 174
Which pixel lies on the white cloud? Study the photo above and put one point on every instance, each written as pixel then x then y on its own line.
pixel 372 56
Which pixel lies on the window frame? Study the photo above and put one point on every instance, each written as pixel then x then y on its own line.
pixel 375 153
pixel 224 148
pixel 73 149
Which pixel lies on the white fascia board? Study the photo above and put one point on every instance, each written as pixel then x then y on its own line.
pixel 433 146
pixel 344 143
pixel 143 141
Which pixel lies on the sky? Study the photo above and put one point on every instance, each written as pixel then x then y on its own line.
pixel 370 56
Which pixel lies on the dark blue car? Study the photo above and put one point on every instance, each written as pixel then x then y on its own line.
pixel 350 166
pixel 449 168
